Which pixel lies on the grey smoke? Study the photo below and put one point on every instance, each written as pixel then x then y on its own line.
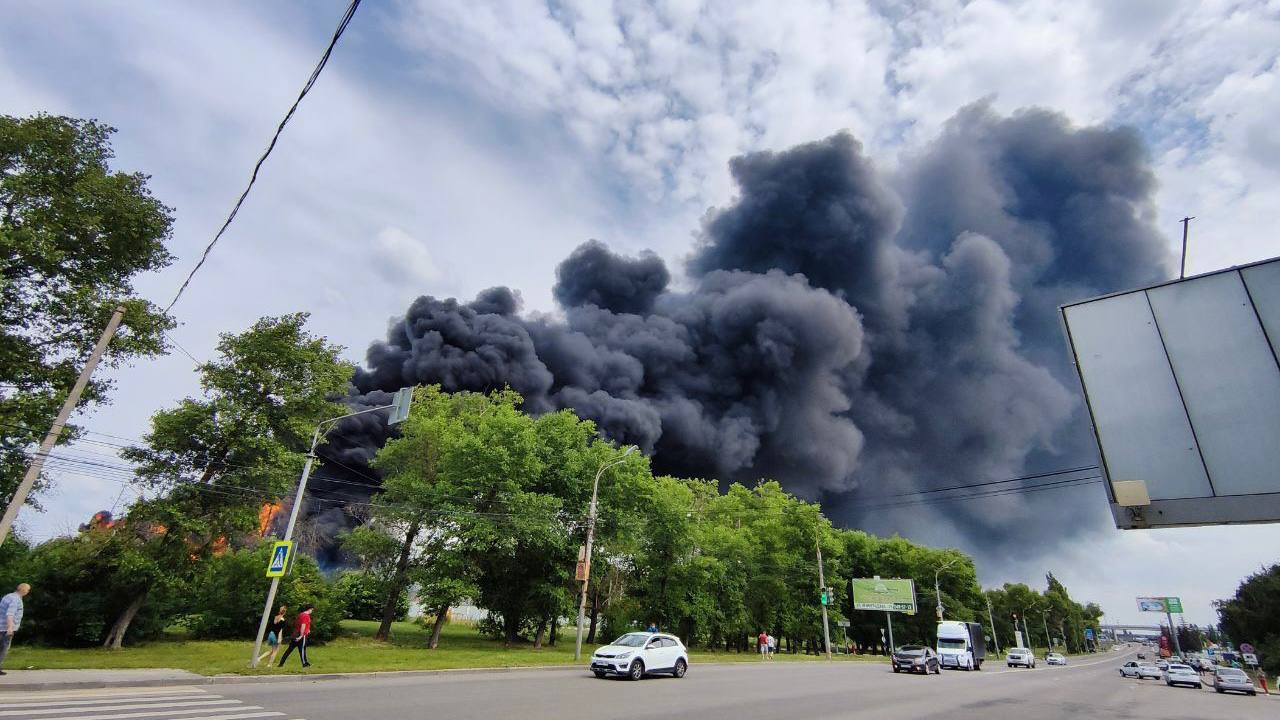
pixel 850 333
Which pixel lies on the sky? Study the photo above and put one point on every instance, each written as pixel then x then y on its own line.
pixel 450 147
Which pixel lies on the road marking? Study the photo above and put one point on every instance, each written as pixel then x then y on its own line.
pixel 128 706
pixel 96 693
pixel 99 701
pixel 164 714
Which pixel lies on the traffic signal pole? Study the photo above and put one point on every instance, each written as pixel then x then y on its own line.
pixel 822 583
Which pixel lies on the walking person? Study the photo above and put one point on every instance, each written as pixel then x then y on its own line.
pixel 762 642
pixel 275 634
pixel 301 630
pixel 773 645
pixel 11 617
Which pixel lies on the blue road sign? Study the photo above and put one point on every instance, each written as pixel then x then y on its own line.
pixel 1088 633
pixel 280 554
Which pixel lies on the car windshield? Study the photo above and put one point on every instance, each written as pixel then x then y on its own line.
pixel 1018 651
pixel 1180 668
pixel 910 650
pixel 1231 672
pixel 632 640
pixel 952 644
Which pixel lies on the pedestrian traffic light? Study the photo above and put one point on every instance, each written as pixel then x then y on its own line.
pixel 826 596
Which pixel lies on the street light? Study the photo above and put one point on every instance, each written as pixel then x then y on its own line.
pixel 586 555
pixel 936 589
pixel 399 408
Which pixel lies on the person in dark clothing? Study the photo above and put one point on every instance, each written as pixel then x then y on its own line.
pixel 275 635
pixel 301 630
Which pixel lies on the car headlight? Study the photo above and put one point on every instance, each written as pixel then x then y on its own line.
pixel 622 656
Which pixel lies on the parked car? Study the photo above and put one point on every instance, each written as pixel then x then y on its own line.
pixel 916 658
pixel 1147 670
pixel 1142 656
pixel 1129 669
pixel 1162 664
pixel 1235 680
pixel 1054 658
pixel 636 654
pixel 1021 656
pixel 1180 674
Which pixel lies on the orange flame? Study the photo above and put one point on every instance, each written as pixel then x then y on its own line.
pixel 266 516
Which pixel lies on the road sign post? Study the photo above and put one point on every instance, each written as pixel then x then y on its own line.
pixel 281 559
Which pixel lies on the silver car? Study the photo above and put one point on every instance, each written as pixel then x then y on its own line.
pixel 1021 656
pixel 1236 680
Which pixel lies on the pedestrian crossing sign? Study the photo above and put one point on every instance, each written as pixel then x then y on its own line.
pixel 281 554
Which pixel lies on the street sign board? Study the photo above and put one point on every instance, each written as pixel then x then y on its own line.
pixel 1173 604
pixel 1246 648
pixel 281 554
pixel 1183 390
pixel 1088 633
pixel 888 594
pixel 842 623
pixel 1249 659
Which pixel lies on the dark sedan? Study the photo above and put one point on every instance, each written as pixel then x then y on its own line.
pixel 916 658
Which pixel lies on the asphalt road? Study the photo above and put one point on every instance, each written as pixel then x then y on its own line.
pixel 1089 688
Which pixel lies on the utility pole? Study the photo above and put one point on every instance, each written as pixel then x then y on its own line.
pixel 888 616
pixel 995 637
pixel 1186 221
pixel 822 583
pixel 1173 631
pixel 937 591
pixel 586 555
pixel 46 446
pixel 399 412
pixel 1047 637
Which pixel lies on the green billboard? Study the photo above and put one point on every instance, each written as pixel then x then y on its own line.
pixel 888 594
pixel 1173 604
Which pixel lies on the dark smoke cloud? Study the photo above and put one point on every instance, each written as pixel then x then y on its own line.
pixel 852 334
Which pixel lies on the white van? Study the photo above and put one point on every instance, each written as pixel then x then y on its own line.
pixel 961 645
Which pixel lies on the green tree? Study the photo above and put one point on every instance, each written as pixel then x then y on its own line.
pixel 1253 616
pixel 215 460
pixel 73 236
pixel 361 595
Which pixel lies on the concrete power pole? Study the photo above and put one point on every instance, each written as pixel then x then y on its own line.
pixel 995 637
pixel 822 583
pixel 46 445
pixel 1186 221
pixel 586 550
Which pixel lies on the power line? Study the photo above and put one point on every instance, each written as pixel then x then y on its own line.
pixel 311 81
pixel 989 482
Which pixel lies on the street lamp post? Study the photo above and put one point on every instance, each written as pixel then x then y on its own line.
pixel 591 530
pixel 1047 638
pixel 399 413
pixel 937 591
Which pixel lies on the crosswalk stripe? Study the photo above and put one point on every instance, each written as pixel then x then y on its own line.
pixel 129 706
pixel 116 693
pixel 163 713
pixel 99 701
pixel 241 716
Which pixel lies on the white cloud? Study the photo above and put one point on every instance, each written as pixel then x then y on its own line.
pixel 401 258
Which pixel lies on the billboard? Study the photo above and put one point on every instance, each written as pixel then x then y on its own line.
pixel 888 594
pixel 1182 385
pixel 1160 604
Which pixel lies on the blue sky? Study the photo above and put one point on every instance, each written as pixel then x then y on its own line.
pixel 454 146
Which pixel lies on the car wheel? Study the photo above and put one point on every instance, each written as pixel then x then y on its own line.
pixel 681 668
pixel 1219 690
pixel 637 671
pixel 937 669
pixel 895 669
pixel 1253 694
pixel 599 673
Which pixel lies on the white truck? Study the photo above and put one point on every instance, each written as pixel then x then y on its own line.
pixel 961 645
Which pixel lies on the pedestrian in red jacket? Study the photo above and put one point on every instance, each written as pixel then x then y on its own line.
pixel 301 630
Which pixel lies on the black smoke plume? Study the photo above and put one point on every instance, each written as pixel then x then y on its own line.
pixel 853 334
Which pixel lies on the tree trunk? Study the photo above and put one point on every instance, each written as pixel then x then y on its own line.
pixel 595 611
pixel 537 638
pixel 512 627
pixel 397 583
pixel 441 614
pixel 555 625
pixel 116 637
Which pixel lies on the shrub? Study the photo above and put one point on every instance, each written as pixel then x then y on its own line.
pixel 362 595
pixel 229 591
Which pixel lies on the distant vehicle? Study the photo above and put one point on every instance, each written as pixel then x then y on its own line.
pixel 1142 656
pixel 916 658
pixel 1129 669
pixel 1180 674
pixel 1162 664
pixel 961 645
pixel 1233 679
pixel 1147 670
pixel 1021 656
pixel 636 654
pixel 1054 658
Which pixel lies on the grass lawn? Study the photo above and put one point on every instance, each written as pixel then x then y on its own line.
pixel 354 651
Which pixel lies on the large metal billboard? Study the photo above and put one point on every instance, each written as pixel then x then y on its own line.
pixel 888 594
pixel 1182 383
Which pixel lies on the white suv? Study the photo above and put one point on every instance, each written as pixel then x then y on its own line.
pixel 637 653
pixel 1021 656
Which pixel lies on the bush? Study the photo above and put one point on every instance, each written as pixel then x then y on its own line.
pixel 78 590
pixel 362 595
pixel 229 591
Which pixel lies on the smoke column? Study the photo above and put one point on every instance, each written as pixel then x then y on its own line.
pixel 849 333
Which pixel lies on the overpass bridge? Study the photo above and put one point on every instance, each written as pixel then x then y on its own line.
pixel 1130 632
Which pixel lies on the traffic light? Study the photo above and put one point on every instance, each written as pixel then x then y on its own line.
pixel 826 596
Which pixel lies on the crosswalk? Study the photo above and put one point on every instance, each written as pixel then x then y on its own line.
pixel 176 703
